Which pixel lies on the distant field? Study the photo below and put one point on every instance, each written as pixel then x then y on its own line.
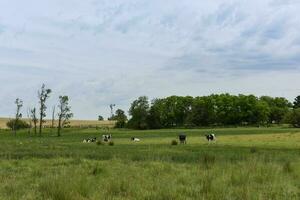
pixel 244 163
pixel 74 123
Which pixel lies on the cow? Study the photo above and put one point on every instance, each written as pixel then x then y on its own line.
pixel 106 138
pixel 89 140
pixel 182 139
pixel 135 139
pixel 210 137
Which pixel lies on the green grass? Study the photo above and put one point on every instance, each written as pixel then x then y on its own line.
pixel 244 163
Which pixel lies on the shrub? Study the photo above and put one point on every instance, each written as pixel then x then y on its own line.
pixel 253 150
pixel 287 167
pixel 21 124
pixel 111 143
pixel 174 142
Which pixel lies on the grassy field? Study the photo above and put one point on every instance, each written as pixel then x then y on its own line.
pixel 73 123
pixel 244 163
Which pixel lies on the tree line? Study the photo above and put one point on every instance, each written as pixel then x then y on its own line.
pixel 176 111
pixel 37 116
pixel 212 110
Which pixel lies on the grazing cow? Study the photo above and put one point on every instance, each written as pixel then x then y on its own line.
pixel 106 138
pixel 210 137
pixel 135 139
pixel 89 140
pixel 182 139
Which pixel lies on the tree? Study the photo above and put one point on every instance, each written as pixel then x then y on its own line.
pixel 203 111
pixel 43 95
pixel 30 122
pixel 53 117
pixel 64 113
pixel 34 119
pixel 121 118
pixel 294 117
pixel 100 118
pixel 279 107
pixel 139 111
pixel 156 114
pixel 19 104
pixel 111 106
pixel 261 111
pixel 297 102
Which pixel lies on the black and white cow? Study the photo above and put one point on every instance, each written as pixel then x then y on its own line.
pixel 210 137
pixel 134 139
pixel 182 139
pixel 89 140
pixel 106 138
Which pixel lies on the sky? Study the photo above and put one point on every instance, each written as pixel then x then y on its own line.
pixel 100 52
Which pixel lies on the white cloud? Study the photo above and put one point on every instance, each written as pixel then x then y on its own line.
pixel 102 52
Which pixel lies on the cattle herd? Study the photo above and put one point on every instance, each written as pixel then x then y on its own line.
pixel 182 138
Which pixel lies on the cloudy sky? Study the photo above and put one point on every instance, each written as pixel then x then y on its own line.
pixel 112 51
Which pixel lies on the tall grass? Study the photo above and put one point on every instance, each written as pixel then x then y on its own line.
pixel 65 168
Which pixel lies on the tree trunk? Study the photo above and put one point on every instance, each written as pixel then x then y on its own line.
pixel 53 113
pixel 59 126
pixel 41 118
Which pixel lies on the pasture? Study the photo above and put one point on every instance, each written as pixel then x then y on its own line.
pixel 244 163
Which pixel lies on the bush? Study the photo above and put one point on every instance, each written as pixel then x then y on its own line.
pixel 253 150
pixel 21 124
pixel 174 142
pixel 111 143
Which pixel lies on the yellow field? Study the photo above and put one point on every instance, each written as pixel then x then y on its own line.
pixel 73 123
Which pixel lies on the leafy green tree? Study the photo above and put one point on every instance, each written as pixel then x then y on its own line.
pixel 227 110
pixel 216 109
pixel 297 102
pixel 294 117
pixel 155 116
pixel 64 113
pixel 100 118
pixel 121 118
pixel 139 111
pixel 172 111
pixel 279 107
pixel 43 95
pixel 261 112
pixel 203 111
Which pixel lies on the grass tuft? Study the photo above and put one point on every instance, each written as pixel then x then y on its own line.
pixel 174 142
pixel 208 160
pixel 287 167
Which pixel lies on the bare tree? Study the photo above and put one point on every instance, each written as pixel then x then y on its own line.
pixel 111 106
pixel 30 122
pixel 64 113
pixel 34 119
pixel 43 95
pixel 53 117
pixel 19 104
